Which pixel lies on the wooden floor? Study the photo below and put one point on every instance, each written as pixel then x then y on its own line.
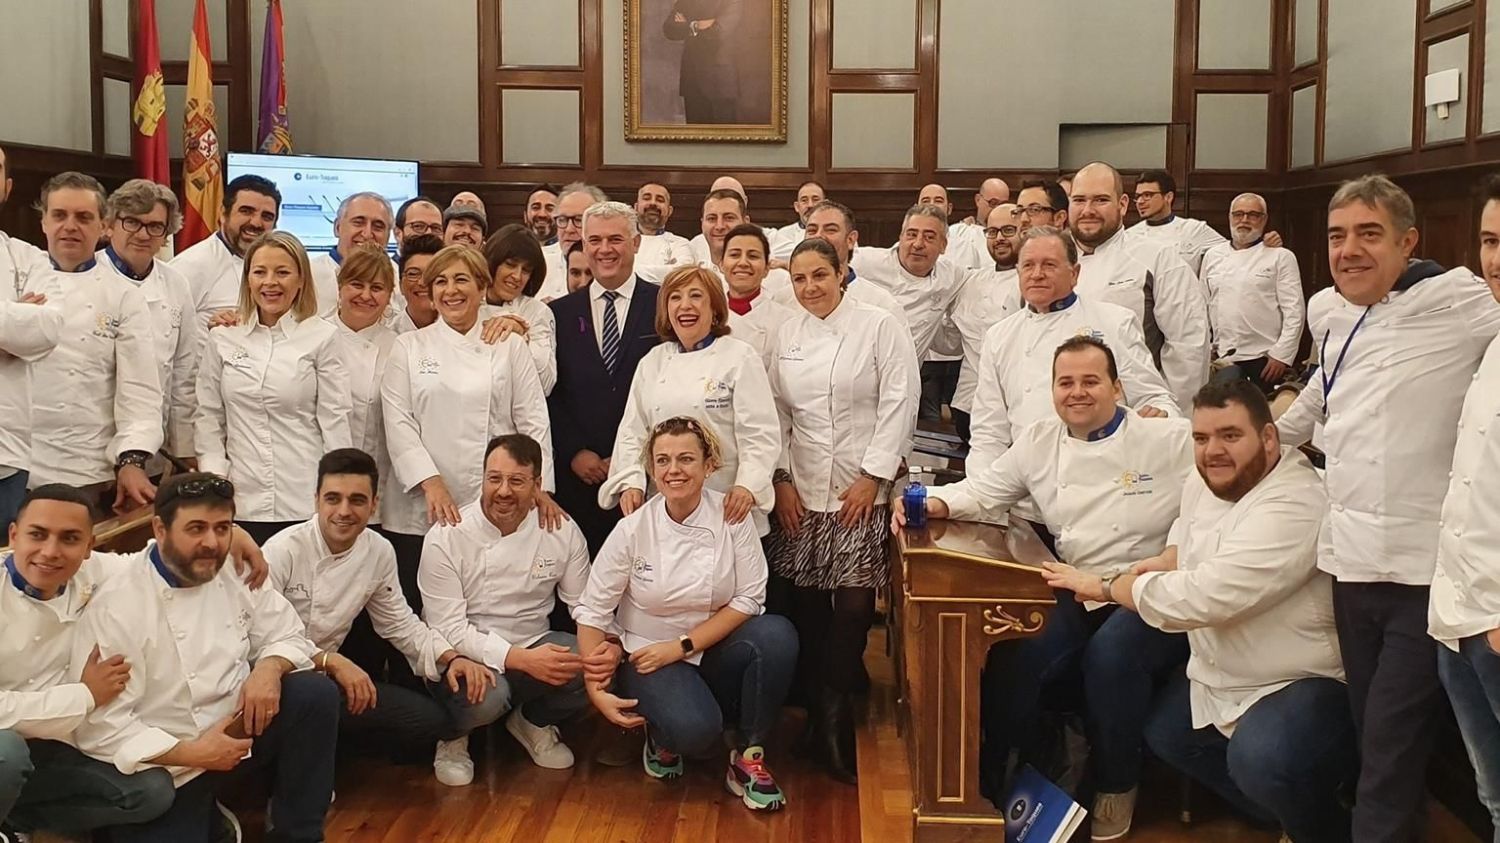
pixel 512 800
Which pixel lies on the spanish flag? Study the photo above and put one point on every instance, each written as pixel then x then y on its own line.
pixel 202 174
pixel 148 113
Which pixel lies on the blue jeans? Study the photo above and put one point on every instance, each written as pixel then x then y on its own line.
pixel 12 492
pixel 1472 677
pixel 1105 664
pixel 297 750
pixel 541 704
pixel 743 678
pixel 50 785
pixel 1291 760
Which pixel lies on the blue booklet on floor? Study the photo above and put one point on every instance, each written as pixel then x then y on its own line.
pixel 1038 811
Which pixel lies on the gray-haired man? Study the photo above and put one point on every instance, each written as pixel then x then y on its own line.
pixel 363 219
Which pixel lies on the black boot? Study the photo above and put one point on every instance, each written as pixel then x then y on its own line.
pixel 836 735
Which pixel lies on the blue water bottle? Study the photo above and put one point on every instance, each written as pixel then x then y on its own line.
pixel 915 500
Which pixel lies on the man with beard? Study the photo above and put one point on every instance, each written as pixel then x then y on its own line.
pixel 923 284
pixel 661 251
pixel 1142 275
pixel 223 686
pixel 1107 483
pixel 1254 297
pixel 464 224
pixel 1155 192
pixel 785 239
pixel 541 205
pixel 415 218
pixel 966 241
pixel 213 266
pixel 572 201
pixel 467 199
pixel 1260 715
pixel 363 219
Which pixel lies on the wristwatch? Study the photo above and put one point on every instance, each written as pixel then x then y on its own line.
pixel 687 645
pixel 135 458
pixel 1107 582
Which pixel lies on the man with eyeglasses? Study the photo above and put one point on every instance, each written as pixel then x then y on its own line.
pixel 1143 275
pixel 541 206
pixel 141 215
pixel 572 201
pixel 966 241
pixel 363 219
pixel 1041 203
pixel 1255 297
pixel 1155 192
pixel 213 265
pixel 417 216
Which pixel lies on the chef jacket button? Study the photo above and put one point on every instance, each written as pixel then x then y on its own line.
pixel 1458 532
pixel 181 635
pixel 1338 507
pixel 1115 527
pixel 192 676
pixel 1466 481
pixel 1481 431
pixel 38 638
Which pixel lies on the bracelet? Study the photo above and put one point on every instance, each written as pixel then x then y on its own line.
pixel 135 458
pixel 881 484
pixel 781 475
pixel 324 667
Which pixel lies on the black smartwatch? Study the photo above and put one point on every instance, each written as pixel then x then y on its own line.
pixel 687 645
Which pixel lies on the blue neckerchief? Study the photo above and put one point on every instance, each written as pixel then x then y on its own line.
pixel 1061 304
pixel 700 344
pixel 123 267
pixel 20 582
pixel 161 568
pixel 83 267
pixel 1258 241
pixel 225 241
pixel 849 278
pixel 1170 218
pixel 1108 430
pixel 338 259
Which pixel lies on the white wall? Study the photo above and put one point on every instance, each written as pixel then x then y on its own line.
pixel 44 73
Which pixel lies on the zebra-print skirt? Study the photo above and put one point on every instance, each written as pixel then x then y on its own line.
pixel 825 554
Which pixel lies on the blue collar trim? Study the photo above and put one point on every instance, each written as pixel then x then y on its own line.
pixel 83 267
pixel 700 344
pixel 850 277
pixel 124 268
pixel 338 259
pixel 1108 430
pixel 161 568
pixel 1061 304
pixel 1170 218
pixel 22 585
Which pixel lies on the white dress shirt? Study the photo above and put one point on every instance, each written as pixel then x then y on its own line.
pixel 365 354
pixel 178 343
pixel 1466 584
pixel 328 591
pixel 28 332
pixel 846 390
pixel 624 293
pixel 1110 499
pixel 1391 420
pixel 555 285
pixel 986 297
pixel 446 395
pixel 723 386
pixel 1130 271
pixel 762 324
pixel 213 274
pixel 1247 591
pixel 925 301
pixel 1254 302
pixel 101 392
pixel 486 592
pixel 1191 238
pixel 541 335
pixel 189 651
pixel 271 402
pixel 657 580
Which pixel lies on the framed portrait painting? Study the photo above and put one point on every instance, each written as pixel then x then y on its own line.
pixel 705 70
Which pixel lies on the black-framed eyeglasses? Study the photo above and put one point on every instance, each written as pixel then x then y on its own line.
pixel 416 228
pixel 575 220
pixel 134 224
pixel 1002 231
pixel 1146 194
pixel 1035 211
pixel 1247 215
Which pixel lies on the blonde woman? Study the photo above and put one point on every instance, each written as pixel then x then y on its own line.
pixel 273 391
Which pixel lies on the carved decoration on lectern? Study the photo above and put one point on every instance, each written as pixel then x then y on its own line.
pixel 998 621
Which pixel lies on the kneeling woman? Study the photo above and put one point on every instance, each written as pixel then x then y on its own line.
pixel 687 592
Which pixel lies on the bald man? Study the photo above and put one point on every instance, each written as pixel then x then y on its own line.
pixel 966 243
pixel 464 197
pixel 809 194
pixel 1255 297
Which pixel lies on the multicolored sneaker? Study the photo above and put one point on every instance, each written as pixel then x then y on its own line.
pixel 660 763
pixel 749 779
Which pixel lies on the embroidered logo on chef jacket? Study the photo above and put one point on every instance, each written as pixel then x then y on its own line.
pixel 1090 333
pixel 174 317
pixel 107 326
pixel 297 589
pixel 717 394
pixel 793 353
pixel 643 570
pixel 427 365
pixel 1135 483
pixel 239 359
pixel 544 569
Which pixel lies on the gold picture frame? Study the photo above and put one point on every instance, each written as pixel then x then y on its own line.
pixel 722 63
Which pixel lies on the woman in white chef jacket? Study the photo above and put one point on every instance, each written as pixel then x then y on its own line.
pixel 273 391
pixel 366 284
pixel 754 316
pixel 846 382
pixel 517 270
pixel 700 372
pixel 686 590
pixel 445 394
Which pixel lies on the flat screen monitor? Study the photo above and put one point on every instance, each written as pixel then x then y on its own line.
pixel 313 186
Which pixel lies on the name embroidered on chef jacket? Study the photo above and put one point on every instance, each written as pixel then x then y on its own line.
pixel 427 366
pixel 107 326
pixel 642 569
pixel 1133 483
pixel 544 568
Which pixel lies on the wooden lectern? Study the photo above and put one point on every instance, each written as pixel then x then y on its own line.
pixel 958 588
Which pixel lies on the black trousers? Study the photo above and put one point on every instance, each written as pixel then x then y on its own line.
pixel 1249 370
pixel 939 382
pixel 262 531
pixel 1396 700
pixel 374 654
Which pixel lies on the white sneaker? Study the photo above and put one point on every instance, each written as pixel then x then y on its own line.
pixel 543 743
pixel 452 763
pixel 1112 815
pixel 229 826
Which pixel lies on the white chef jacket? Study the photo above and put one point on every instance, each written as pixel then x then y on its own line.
pixel 486 592
pixel 178 340
pixel 101 391
pixel 40 693
pixel 1247 591
pixel 541 335
pixel 1466 584
pixel 1110 500
pixel 28 333
pixel 725 387
pixel 659 254
pixel 761 325
pixel 925 301
pixel 1391 421
pixel 786 239
pixel 1254 302
pixel 214 275
pixel 846 390
pixel 365 354
pixel 1130 271
pixel 966 246
pixel 855 289
pixel 657 580
pixel 325 270
pixel 986 297
pixel 329 591
pixel 1015 369
pixel 271 402
pixel 1191 238
pixel 446 395
pixel 555 285
pixel 190 651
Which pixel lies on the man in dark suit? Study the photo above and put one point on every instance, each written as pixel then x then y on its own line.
pixel 709 81
pixel 603 331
